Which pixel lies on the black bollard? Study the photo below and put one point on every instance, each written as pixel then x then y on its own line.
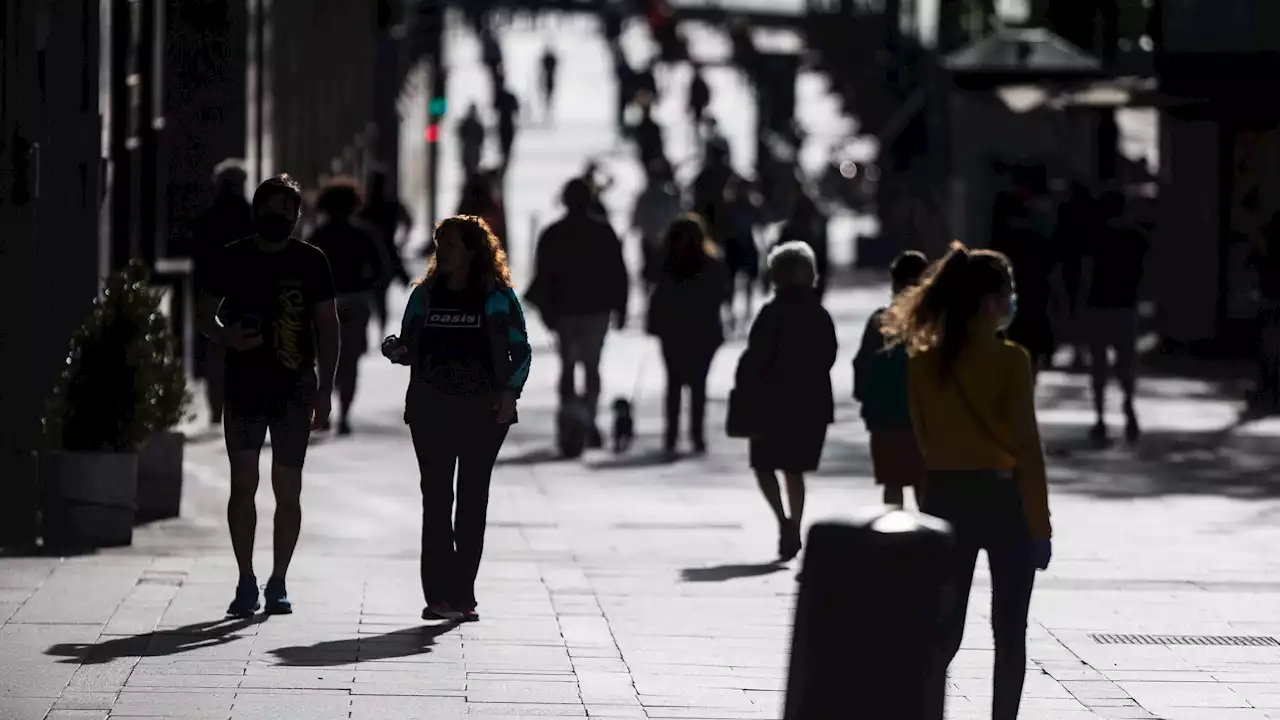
pixel 867 618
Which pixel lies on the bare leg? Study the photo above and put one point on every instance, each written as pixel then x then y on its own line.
pixel 893 496
pixel 242 513
pixel 287 483
pixel 772 493
pixel 795 496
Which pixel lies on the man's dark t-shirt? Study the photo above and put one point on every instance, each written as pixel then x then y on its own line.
pixel 275 290
pixel 1118 253
pixel 455 355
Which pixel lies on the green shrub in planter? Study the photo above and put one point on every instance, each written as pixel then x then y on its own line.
pixel 123 381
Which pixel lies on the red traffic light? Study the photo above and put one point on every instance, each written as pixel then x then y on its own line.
pixel 432 133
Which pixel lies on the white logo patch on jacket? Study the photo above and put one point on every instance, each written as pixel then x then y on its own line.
pixel 455 319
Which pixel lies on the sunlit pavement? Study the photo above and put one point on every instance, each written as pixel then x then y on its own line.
pixel 625 587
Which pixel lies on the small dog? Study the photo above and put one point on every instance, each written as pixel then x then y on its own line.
pixel 624 427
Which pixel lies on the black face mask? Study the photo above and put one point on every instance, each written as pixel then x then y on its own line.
pixel 273 227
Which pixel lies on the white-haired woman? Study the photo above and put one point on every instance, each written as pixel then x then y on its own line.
pixel 784 377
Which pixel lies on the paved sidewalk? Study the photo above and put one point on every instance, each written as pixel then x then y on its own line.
pixel 622 587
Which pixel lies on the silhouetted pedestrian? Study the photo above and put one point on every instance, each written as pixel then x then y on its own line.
pixel 270 300
pixel 784 376
pixel 656 208
pixel 464 336
pixel 481 197
pixel 973 409
pixel 808 225
pixel 1110 277
pixel 580 282
pixel 1264 398
pixel 684 314
pixel 742 256
pixel 648 138
pixel 226 220
pixel 707 193
pixel 548 78
pixel 880 386
pixel 699 97
pixel 508 109
pixel 384 211
pixel 471 134
pixel 360 266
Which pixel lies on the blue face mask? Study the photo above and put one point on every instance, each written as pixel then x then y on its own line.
pixel 1008 317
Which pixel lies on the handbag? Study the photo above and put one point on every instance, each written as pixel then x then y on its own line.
pixel 743 415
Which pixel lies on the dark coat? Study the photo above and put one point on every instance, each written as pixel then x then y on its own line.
pixel 786 368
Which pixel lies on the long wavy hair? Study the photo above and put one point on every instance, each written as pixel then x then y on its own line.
pixel 488 261
pixel 687 247
pixel 937 313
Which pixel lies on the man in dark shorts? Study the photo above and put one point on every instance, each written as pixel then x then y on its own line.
pixel 270 300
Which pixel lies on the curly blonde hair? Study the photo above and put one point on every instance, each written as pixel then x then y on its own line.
pixel 489 261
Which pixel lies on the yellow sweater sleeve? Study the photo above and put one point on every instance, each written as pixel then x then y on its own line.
pixel 1030 469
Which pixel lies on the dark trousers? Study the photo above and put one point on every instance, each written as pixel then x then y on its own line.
pixel 453 540
pixel 686 367
pixel 1266 394
pixel 985 511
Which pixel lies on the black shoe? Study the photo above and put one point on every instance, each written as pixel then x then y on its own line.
pixel 594 439
pixel 1131 430
pixel 277 598
pixel 789 542
pixel 344 427
pixel 699 447
pixel 1099 434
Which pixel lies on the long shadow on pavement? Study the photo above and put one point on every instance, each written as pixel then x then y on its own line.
pixel 397 644
pixel 722 573
pixel 157 643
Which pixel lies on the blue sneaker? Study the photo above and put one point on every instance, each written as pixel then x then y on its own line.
pixel 246 602
pixel 277 597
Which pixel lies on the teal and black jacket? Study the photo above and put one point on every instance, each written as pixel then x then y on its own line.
pixel 508 338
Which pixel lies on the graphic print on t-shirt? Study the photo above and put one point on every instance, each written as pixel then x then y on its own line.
pixel 457 358
pixel 289 324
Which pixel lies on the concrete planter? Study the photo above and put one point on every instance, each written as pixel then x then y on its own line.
pixel 87 499
pixel 160 477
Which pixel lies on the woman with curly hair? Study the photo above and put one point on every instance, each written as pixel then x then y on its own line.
pixel 973 411
pixel 464 337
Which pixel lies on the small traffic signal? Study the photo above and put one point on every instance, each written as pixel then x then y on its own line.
pixel 432 133
pixel 437 107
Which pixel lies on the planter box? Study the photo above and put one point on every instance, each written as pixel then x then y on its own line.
pixel 87 499
pixel 160 477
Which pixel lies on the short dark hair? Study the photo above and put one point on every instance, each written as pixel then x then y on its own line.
pixel 577 194
pixel 281 184
pixel 907 269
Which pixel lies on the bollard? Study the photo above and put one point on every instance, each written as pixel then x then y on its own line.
pixel 866 618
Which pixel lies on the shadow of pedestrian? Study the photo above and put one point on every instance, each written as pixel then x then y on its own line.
pixel 397 644
pixel 647 458
pixel 534 456
pixel 157 643
pixel 721 573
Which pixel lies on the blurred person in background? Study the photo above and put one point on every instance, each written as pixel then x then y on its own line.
pixel 684 314
pixel 808 225
pixel 1110 279
pixel 973 409
pixel 227 219
pixel 464 337
pixel 481 197
pixel 361 267
pixel 880 385
pixel 656 208
pixel 742 255
pixel 384 211
pixel 549 62
pixel 471 133
pixel 784 376
pixel 580 282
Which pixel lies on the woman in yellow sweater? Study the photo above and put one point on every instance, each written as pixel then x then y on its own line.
pixel 973 410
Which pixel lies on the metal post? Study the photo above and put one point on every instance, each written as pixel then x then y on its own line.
pixel 868 612
pixel 121 237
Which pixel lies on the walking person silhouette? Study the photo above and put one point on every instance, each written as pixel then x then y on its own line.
pixel 269 300
pixel 464 337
